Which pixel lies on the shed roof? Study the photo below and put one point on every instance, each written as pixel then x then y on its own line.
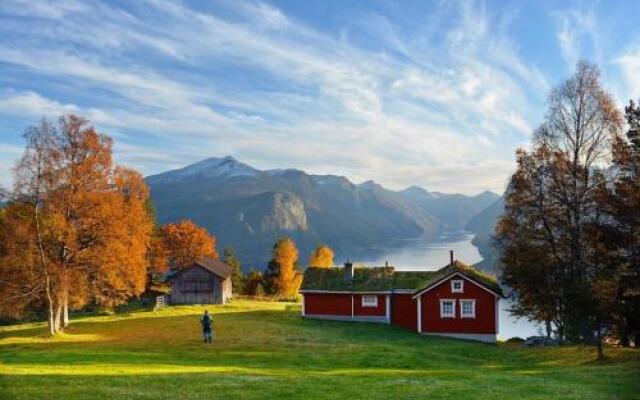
pixel 387 278
pixel 214 266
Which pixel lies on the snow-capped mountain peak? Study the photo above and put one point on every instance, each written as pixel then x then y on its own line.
pixel 226 167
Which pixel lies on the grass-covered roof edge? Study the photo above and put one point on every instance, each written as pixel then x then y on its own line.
pixel 386 279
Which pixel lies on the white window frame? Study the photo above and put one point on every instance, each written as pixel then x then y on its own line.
pixel 453 308
pixel 453 284
pixel 370 300
pixel 473 308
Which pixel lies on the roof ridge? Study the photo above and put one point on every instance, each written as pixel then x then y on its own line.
pixel 387 278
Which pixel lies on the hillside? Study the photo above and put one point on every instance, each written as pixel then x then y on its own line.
pixel 250 209
pixel 453 211
pixel 266 351
pixel 483 225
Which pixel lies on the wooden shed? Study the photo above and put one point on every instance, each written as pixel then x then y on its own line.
pixel 207 281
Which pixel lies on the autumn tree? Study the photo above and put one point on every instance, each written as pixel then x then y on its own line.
pixel 88 222
pixel 527 239
pixel 237 278
pixel 21 284
pixel 551 202
pixel 321 257
pixel 282 275
pixel 32 182
pixel 123 263
pixel 157 253
pixel 186 242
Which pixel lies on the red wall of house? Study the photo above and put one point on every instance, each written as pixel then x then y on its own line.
pixel 379 311
pixel 484 322
pixel 403 311
pixel 327 304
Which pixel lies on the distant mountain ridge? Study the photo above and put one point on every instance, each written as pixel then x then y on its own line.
pixel 250 209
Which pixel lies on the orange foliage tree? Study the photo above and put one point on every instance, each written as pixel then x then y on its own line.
pixel 88 222
pixel 285 278
pixel 20 279
pixel 186 242
pixel 321 257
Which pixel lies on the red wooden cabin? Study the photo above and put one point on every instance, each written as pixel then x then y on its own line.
pixel 455 301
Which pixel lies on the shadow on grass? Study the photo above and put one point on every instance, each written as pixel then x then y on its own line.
pixel 260 338
pixel 259 343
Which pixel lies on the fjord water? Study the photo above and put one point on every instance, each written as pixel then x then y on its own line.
pixel 428 254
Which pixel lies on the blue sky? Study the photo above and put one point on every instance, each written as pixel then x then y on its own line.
pixel 433 93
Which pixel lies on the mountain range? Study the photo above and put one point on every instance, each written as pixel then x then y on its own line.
pixel 250 209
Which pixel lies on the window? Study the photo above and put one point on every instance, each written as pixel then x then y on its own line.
pixel 467 308
pixel 447 308
pixel 369 301
pixel 457 286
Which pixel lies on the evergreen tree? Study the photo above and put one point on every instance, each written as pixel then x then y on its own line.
pixel 620 231
pixel 253 284
pixel 237 278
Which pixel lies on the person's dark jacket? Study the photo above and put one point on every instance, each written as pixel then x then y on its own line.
pixel 206 322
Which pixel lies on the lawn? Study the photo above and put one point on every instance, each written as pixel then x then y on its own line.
pixel 265 350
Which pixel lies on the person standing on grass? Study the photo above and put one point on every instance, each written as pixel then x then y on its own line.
pixel 207 321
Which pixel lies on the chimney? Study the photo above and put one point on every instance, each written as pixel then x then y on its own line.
pixel 348 270
pixel 451 257
pixel 386 264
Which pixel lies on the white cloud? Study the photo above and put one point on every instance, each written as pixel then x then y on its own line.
pixel 32 104
pixel 9 154
pixel 330 106
pixel 578 35
pixel 629 63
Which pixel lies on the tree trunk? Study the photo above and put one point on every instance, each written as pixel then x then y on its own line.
pixel 56 320
pixel 65 312
pixel 45 271
pixel 50 316
pixel 548 327
pixel 599 339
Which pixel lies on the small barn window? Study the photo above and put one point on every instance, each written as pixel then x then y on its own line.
pixel 457 286
pixel 447 308
pixel 369 301
pixel 467 308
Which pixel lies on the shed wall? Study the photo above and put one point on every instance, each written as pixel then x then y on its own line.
pixel 196 285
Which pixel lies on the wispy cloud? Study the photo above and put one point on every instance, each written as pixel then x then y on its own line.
pixel 442 104
pixel 578 35
pixel 630 65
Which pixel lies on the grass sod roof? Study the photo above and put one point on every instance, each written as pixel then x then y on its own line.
pixel 387 279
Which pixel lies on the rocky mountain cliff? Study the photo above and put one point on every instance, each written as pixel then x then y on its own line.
pixel 483 225
pixel 250 209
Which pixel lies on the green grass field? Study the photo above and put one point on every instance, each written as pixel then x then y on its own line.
pixel 265 350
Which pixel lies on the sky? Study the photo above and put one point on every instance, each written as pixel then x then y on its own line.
pixel 437 94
